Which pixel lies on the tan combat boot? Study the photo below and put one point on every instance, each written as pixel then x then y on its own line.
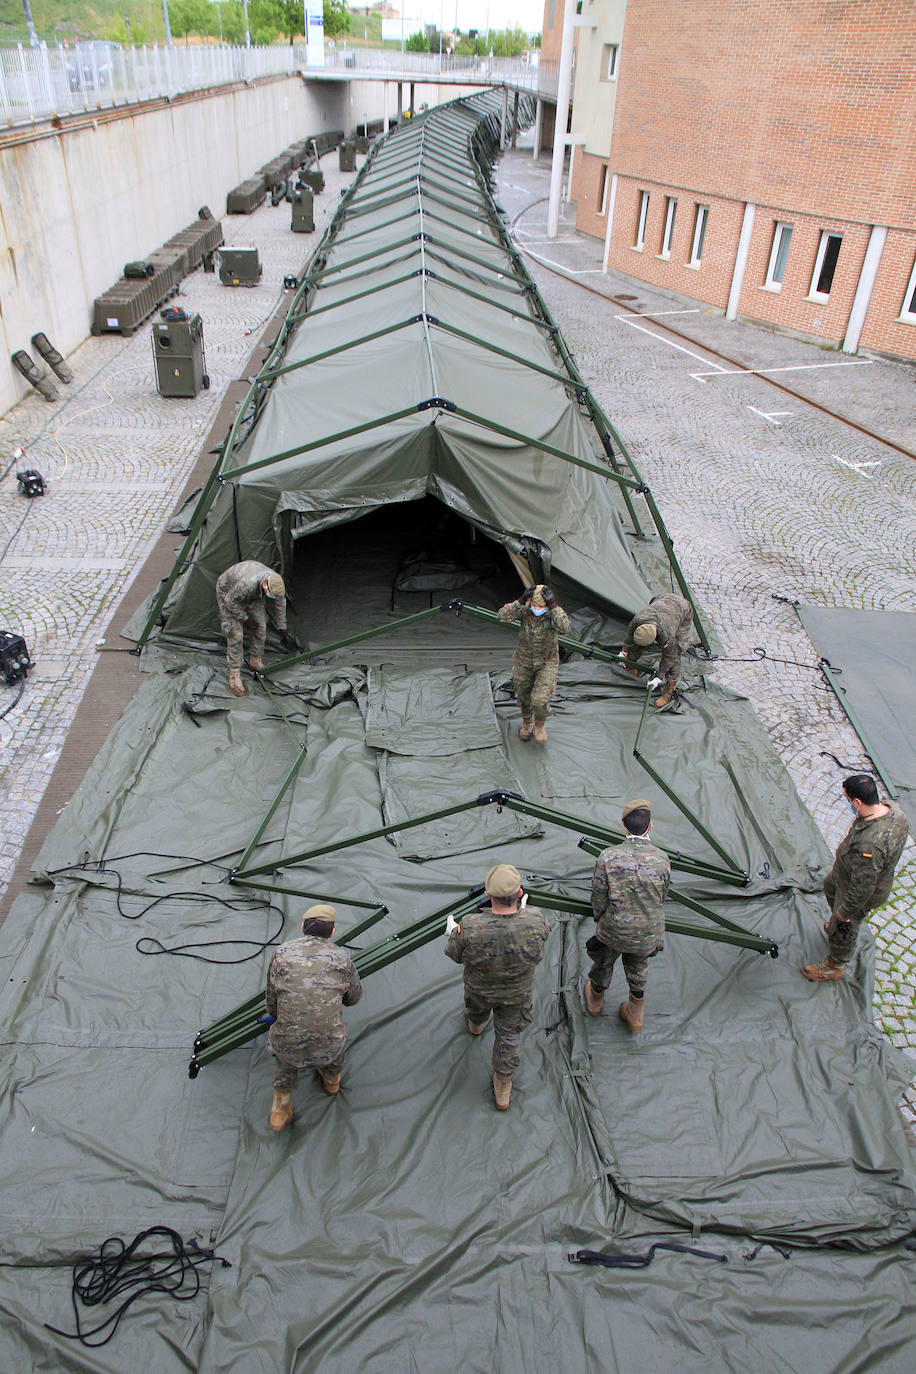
pixel 281 1113
pixel 631 1012
pixel 236 685
pixel 666 695
pixel 502 1090
pixel 540 732
pixel 476 1027
pixel 594 999
pixel 329 1081
pixel 255 663
pixel 828 972
pixel 634 672
pixel 527 728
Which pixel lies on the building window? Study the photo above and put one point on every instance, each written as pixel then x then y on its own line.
pixel 668 232
pixel 782 237
pixel 604 183
pixel 825 265
pixel 609 62
pixel 641 221
pixel 908 310
pixel 699 235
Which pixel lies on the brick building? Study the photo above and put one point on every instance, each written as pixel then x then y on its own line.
pixel 758 156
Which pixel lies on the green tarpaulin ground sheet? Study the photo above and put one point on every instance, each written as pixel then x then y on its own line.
pixel 873 654
pixel 407 1224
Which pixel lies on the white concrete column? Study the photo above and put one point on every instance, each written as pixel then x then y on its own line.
pixel 611 201
pixel 400 99
pixel 503 119
pixel 744 244
pixel 564 80
pixel 384 107
pixel 572 161
pixel 538 127
pixel 876 241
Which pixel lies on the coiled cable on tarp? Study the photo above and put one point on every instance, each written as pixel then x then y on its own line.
pixel 623 1260
pixel 119 1270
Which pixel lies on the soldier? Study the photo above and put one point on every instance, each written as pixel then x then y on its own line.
pixel 308 981
pixel 537 656
pixel 499 949
pixel 244 593
pixel 664 623
pixel 629 887
pixel 862 874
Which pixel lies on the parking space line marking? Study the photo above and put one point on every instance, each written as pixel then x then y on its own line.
pixel 631 321
pixel 857 467
pixel 769 414
pixel 653 314
pixel 569 271
pixel 763 371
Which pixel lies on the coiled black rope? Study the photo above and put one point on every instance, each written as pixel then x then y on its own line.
pixel 120 1270
pixel 760 655
pixel 622 1260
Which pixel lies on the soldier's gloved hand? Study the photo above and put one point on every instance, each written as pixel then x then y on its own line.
pixel 266 1019
pixel 450 925
pixel 526 595
pixel 654 682
pixel 594 946
pixel 550 600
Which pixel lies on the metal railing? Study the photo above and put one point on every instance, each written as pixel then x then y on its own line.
pixel 39 82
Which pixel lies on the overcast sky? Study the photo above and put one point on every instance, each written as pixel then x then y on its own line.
pixel 472 14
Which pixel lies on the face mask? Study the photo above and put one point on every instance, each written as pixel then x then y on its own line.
pixel 539 610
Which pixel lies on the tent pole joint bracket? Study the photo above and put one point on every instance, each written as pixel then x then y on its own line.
pixel 436 403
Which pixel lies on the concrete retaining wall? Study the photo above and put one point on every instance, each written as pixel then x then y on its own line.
pixel 78 202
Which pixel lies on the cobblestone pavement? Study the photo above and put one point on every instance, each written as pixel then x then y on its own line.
pixel 116 456
pixel 761 506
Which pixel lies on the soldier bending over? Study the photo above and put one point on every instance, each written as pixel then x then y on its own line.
pixel 244 593
pixel 664 624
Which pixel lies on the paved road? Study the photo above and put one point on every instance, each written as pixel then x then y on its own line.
pixel 768 500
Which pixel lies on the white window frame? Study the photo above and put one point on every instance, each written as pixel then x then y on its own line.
pixel 908 316
pixel 698 242
pixel 826 236
pixel 604 188
pixel 781 230
pixel 641 221
pixel 668 232
pixel 610 60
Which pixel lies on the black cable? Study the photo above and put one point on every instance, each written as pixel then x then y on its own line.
pixel 119 1270
pixel 25 515
pixel 101 866
pixel 622 1260
pixel 760 655
pixel 6 710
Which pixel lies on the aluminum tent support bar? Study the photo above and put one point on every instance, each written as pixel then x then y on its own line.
pixel 607 472
pixel 681 805
pixel 575 646
pixel 723 932
pixel 679 862
pixel 281 793
pixel 840 694
pixel 321 443
pixel 306 896
pixel 241 1025
pixel 308 654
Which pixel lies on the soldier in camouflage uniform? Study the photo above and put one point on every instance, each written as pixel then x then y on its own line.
pixel 537 655
pixel 499 949
pixel 308 982
pixel 629 887
pixel 244 593
pixel 862 874
pixel 664 624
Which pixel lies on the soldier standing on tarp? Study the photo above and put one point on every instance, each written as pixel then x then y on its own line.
pixel 244 594
pixel 308 983
pixel 537 655
pixel 862 874
pixel 664 624
pixel 629 887
pixel 499 950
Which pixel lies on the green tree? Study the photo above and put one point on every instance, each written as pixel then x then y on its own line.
pixel 336 18
pixel 292 17
pixel 417 42
pixel 191 16
pixel 265 20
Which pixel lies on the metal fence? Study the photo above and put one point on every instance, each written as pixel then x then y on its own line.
pixel 39 82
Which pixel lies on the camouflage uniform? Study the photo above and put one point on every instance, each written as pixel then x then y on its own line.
pixel 537 656
pixel 673 619
pixel 240 598
pixel 499 954
pixel 862 876
pixel 307 982
pixel 629 887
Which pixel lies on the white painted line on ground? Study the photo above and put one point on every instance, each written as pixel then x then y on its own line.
pixel 762 371
pixel 858 467
pixel 551 262
pixel 542 240
pixel 653 314
pixel 631 321
pixel 769 414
